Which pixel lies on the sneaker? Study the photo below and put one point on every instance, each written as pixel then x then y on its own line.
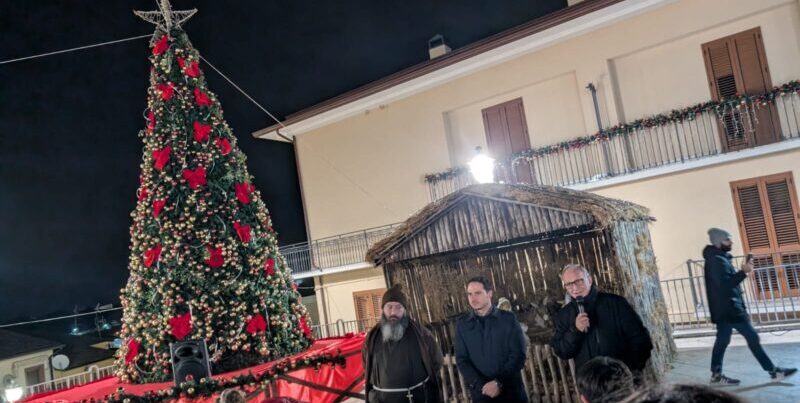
pixel 779 373
pixel 722 380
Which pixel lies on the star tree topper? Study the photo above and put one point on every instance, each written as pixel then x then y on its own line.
pixel 165 18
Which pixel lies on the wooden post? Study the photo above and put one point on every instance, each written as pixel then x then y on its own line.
pixel 542 372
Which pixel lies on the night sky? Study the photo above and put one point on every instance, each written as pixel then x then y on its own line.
pixel 69 151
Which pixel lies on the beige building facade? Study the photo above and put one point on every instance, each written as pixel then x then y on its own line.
pixel 363 162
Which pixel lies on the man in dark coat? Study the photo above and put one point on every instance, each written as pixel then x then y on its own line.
pixel 595 324
pixel 401 358
pixel 490 348
pixel 727 307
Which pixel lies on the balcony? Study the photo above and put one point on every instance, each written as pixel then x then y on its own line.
pixel 665 143
pixel 333 254
pixel 695 136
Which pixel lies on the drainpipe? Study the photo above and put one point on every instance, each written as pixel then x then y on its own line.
pixel 604 145
pixel 322 300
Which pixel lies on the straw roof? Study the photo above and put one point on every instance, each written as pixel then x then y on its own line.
pixel 573 204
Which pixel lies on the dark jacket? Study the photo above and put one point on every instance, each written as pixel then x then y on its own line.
pixel 615 330
pixel 491 349
pixel 431 355
pixel 722 287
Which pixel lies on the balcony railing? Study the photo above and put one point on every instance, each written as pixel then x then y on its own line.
pixel 771 292
pixel 342 327
pixel 340 250
pixel 69 381
pixel 673 138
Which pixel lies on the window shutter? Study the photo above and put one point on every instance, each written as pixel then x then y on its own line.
pixel 754 224
pixel 783 214
pixel 767 211
pixel 720 64
pixel 753 77
pixel 361 307
pixel 368 307
pixel 720 56
pixel 784 210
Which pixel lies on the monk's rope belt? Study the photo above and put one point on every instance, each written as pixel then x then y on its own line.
pixel 407 391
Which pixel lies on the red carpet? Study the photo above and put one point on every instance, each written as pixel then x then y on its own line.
pixel 308 385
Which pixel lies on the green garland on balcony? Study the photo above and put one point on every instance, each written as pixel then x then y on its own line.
pixel 209 386
pixel 674 116
pixel 448 174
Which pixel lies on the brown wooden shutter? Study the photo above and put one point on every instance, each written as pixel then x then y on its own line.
pixel 769 221
pixel 738 64
pixel 783 213
pixel 753 73
pixel 506 134
pixel 753 219
pixel 368 307
pixel 786 217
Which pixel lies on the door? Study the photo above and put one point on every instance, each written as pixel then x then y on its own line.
pixel 506 134
pixel 737 65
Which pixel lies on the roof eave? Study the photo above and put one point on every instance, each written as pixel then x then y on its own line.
pixel 538 34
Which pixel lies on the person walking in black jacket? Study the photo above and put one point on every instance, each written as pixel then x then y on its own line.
pixel 727 307
pixel 598 324
pixel 490 348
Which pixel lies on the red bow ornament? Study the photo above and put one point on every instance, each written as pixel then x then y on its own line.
pixel 157 206
pixel 256 324
pixel 215 258
pixel 201 131
pixel 201 98
pixel 304 327
pixel 269 266
pixel 166 91
pixel 192 69
pixel 181 325
pixel 152 255
pixel 161 46
pixel 151 122
pixel 224 145
pixel 133 351
pixel 243 191
pixel 161 157
pixel 196 177
pixel 243 231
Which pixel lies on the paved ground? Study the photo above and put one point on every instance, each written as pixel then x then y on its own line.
pixel 694 357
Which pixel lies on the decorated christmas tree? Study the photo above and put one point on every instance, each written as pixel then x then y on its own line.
pixel 204 261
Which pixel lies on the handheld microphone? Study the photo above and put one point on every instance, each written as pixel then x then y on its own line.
pixel 579 301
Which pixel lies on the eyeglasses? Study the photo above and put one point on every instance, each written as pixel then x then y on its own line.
pixel 575 284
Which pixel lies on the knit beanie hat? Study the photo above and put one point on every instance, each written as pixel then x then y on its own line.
pixel 716 236
pixel 395 294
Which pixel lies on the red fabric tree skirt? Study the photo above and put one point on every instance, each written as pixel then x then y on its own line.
pixel 307 385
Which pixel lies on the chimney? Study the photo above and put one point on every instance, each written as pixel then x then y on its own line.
pixel 437 47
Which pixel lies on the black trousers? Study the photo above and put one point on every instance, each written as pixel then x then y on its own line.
pixel 745 328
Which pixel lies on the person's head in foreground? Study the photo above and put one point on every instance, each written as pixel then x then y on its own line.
pixel 604 379
pixel 678 393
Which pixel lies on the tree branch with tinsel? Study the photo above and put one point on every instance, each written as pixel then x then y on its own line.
pixel 674 116
pixel 209 386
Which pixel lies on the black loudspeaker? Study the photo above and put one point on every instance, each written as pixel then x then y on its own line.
pixel 189 360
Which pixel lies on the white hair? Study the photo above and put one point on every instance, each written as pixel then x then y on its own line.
pixel 575 266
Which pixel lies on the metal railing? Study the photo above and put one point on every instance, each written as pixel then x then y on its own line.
pixel 771 292
pixel 638 149
pixel 342 327
pixel 70 381
pixel 335 251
